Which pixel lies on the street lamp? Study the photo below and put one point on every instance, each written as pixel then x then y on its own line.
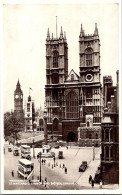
pixel 45 126
pixel 40 166
pixel 93 152
pixel 33 149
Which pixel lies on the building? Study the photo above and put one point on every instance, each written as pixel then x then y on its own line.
pixel 18 102
pixel 29 114
pixel 73 100
pixel 110 137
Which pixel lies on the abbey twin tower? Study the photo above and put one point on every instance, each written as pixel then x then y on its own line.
pixel 73 101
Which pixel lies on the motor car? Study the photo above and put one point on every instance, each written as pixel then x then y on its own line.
pixel 60 154
pixel 56 147
pixel 9 149
pixel 83 166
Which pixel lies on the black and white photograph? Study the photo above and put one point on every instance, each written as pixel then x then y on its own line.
pixel 60 97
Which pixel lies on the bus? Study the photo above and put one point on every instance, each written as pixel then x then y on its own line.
pixel 25 169
pixel 25 152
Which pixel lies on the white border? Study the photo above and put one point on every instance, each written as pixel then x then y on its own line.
pixel 1 97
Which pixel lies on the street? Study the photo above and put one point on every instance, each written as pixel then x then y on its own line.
pixel 57 179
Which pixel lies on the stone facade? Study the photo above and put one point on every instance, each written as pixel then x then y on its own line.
pixel 73 100
pixel 110 139
pixel 29 114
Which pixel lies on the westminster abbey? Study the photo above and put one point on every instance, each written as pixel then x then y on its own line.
pixel 74 102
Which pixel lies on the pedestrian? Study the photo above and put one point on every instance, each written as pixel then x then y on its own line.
pixel 92 183
pixel 12 173
pixel 65 170
pixel 90 178
pixel 101 184
pixel 42 161
pixel 67 147
pixel 63 166
pixel 60 165
pixel 52 166
pixel 54 159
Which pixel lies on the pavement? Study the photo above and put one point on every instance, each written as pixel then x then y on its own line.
pixel 56 177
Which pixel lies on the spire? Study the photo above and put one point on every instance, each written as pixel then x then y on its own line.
pixel 81 31
pixel 48 34
pixel 96 30
pixel 18 87
pixel 18 84
pixel 61 33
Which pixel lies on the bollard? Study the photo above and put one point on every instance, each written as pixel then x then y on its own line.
pixel 52 166
pixel 60 165
pixel 42 182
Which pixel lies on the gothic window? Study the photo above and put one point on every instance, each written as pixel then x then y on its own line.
pixel 111 152
pixel 55 78
pixel 55 59
pixel 107 152
pixel 111 134
pixel 72 105
pixel 106 134
pixel 72 77
pixel 28 107
pixel 89 57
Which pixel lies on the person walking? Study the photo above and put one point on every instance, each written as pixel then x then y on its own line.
pixel 101 184
pixel 42 161
pixel 90 178
pixel 12 173
pixel 65 170
pixel 92 183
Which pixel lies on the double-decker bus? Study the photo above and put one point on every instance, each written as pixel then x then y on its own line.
pixel 25 169
pixel 25 152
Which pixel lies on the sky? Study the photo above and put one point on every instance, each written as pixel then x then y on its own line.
pixel 25 30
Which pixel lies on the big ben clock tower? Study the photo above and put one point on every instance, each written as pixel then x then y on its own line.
pixel 18 101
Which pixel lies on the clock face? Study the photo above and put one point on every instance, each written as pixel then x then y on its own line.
pixel 16 96
pixel 89 77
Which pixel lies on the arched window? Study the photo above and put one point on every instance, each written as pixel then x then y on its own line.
pixel 107 152
pixel 111 152
pixel 106 134
pixel 89 57
pixel 72 77
pixel 72 105
pixel 55 78
pixel 55 59
pixel 111 134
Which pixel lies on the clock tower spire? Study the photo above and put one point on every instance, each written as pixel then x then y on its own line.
pixel 18 101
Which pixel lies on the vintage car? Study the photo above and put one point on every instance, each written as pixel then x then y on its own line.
pixel 9 149
pixel 83 166
pixel 60 154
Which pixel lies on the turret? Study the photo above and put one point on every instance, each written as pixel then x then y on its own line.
pixel 48 35
pixel 81 31
pixel 96 30
pixel 61 34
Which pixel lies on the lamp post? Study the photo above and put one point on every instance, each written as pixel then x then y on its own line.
pixel 40 166
pixel 45 125
pixel 93 152
pixel 33 149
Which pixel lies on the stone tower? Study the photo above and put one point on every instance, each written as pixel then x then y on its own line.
pixel 18 101
pixel 90 94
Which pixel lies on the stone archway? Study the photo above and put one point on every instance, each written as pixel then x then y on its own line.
pixel 71 137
